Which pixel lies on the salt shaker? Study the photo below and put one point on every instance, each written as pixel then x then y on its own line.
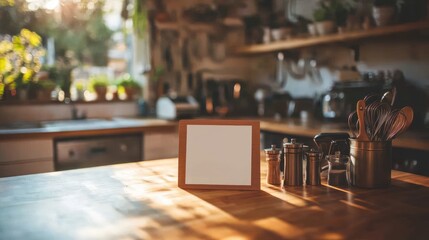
pixel 293 163
pixel 272 156
pixel 313 167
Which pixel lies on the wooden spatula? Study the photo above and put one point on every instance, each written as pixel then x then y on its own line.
pixel 409 114
pixel 360 110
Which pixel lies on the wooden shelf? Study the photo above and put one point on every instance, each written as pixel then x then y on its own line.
pixel 195 27
pixel 332 38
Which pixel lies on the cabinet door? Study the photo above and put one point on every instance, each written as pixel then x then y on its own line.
pixel 160 145
pixel 20 157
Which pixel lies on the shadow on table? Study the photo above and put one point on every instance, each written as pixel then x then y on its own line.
pixel 328 212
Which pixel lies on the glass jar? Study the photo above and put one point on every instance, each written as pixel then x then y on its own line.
pixel 339 169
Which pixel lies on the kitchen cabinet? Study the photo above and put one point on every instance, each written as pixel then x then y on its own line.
pixel 297 43
pixel 26 151
pixel 160 145
pixel 19 157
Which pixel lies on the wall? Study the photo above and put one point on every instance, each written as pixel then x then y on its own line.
pixel 406 52
pixel 410 55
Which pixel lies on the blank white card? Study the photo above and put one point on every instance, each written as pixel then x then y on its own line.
pixel 219 155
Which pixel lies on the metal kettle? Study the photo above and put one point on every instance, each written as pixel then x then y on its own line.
pixel 334 104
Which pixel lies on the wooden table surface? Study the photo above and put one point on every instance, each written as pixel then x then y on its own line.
pixel 142 201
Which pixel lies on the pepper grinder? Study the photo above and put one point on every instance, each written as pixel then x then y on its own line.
pixel 293 163
pixel 273 163
pixel 313 167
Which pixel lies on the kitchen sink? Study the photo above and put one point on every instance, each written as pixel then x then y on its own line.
pixel 20 125
pixel 59 124
pixel 71 125
pixel 80 122
pixel 83 123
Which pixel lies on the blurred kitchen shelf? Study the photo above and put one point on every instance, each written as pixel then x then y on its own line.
pixel 332 38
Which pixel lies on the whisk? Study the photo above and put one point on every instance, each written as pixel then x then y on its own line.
pixel 381 121
pixel 376 117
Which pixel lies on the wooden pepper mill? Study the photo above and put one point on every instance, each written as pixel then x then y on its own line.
pixel 272 155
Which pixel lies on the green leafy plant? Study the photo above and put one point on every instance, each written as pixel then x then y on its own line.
pixel 321 14
pixel 47 84
pixel 127 81
pixel 100 80
pixel 335 10
pixel 140 17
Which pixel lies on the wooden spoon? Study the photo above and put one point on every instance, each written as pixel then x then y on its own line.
pixel 360 109
pixel 409 114
pixel 403 121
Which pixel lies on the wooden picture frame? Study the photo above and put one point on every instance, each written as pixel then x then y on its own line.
pixel 219 154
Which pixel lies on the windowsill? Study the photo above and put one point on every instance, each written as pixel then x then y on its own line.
pixel 48 102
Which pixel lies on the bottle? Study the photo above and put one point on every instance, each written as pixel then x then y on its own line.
pixel 293 156
pixel 273 165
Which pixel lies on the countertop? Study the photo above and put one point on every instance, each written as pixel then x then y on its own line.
pixel 142 201
pixel 71 128
pixel 412 139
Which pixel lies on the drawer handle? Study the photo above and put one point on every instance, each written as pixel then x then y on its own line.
pixel 97 150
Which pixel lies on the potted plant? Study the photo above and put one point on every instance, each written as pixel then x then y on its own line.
pixel 99 84
pixel 324 17
pixel 131 87
pixel 383 11
pixel 45 88
pixel 331 13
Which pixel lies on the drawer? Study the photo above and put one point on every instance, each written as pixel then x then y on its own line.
pixel 96 151
pixel 18 150
pixel 26 167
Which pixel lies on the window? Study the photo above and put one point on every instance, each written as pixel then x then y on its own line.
pixel 84 45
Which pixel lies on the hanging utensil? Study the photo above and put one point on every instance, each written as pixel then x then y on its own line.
pixel 376 115
pixel 360 109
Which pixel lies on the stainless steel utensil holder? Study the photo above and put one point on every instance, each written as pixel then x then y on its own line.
pixel 371 163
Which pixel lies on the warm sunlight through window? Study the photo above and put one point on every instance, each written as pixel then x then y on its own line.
pixel 46 4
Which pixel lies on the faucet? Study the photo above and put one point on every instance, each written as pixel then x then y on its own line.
pixel 75 115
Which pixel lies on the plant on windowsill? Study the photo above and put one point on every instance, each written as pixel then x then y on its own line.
pixel 45 88
pixel 131 87
pixel 99 84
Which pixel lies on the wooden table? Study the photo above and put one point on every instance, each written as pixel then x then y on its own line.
pixel 142 201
